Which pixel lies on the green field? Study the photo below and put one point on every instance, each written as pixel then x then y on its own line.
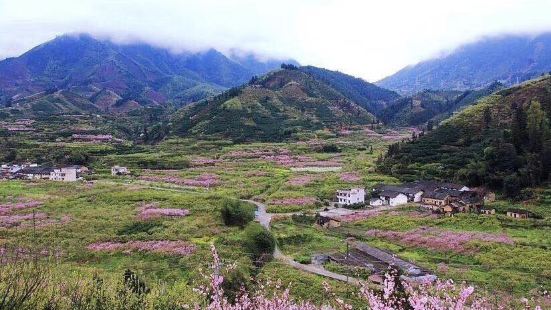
pixel 105 209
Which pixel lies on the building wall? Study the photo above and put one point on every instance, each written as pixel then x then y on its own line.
pixel 64 174
pixel 517 215
pixel 418 197
pixel 398 200
pixel 351 197
pixel 435 202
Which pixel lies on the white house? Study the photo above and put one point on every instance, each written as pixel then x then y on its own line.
pixel 118 170
pixel 351 196
pixel 393 198
pixel 67 174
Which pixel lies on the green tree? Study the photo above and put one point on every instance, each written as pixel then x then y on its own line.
pixel 511 186
pixel 537 126
pixel 546 160
pixel 236 213
pixel 518 128
pixel 487 118
pixel 259 242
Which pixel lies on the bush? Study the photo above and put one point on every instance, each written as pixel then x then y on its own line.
pixel 304 259
pixel 357 206
pixel 237 213
pixel 236 279
pixel 330 148
pixel 259 242
pixel 134 283
pixel 303 219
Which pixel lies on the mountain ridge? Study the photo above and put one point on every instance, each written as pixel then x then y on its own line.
pixel 139 72
pixel 509 59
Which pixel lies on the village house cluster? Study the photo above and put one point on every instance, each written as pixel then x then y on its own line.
pixel 440 197
pixel 36 172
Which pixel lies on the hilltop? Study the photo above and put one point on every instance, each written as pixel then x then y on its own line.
pixel 367 95
pixel 507 59
pixel 273 107
pixel 113 77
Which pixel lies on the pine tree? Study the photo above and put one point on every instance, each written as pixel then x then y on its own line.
pixel 487 118
pixel 537 126
pixel 518 128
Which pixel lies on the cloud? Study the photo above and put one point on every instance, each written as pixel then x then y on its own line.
pixel 370 39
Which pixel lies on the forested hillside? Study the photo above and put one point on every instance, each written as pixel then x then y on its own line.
pixel 503 141
pixel 370 96
pixel 271 108
pixel 431 106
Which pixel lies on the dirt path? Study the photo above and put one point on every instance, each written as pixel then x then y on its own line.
pixel 264 219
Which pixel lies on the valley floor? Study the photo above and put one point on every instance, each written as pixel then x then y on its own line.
pixel 108 224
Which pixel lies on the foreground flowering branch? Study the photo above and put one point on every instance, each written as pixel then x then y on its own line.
pixel 395 294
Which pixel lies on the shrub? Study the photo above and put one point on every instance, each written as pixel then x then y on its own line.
pixel 237 213
pixel 357 206
pixel 134 283
pixel 304 259
pixel 329 148
pixel 235 280
pixel 303 219
pixel 259 242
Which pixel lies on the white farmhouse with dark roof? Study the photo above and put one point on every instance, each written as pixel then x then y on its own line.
pixel 351 196
pixel 393 198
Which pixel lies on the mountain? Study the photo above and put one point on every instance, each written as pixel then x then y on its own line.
pixel 367 95
pixel 503 141
pixel 508 59
pixel 432 105
pixel 121 75
pixel 273 107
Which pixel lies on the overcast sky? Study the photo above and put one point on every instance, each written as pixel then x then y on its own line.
pixel 370 39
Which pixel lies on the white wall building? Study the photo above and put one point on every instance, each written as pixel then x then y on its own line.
pixel 68 174
pixel 418 196
pixel 118 170
pixel 351 196
pixel 393 198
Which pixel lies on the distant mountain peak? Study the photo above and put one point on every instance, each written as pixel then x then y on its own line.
pixel 137 72
pixel 509 59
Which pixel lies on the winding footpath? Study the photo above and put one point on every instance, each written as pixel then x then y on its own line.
pixel 265 218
